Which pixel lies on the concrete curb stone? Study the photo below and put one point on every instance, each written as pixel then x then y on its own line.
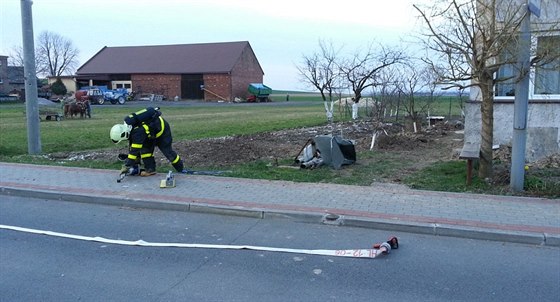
pixel 300 216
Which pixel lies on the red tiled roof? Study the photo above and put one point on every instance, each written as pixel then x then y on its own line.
pixel 183 58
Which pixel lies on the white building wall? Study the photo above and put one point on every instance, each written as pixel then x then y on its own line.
pixel 543 127
pixel 543 119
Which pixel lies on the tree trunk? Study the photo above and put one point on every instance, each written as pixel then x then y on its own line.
pixel 487 131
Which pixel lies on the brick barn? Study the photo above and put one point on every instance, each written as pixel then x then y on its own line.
pixel 206 71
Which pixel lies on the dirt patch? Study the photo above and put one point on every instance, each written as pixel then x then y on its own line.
pixel 419 149
pixel 431 145
pixel 440 142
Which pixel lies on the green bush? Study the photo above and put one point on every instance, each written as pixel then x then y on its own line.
pixel 58 87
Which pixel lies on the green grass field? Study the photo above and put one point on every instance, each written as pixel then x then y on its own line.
pixel 188 123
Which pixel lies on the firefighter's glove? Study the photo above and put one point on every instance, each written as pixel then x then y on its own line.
pixel 130 170
pixel 124 169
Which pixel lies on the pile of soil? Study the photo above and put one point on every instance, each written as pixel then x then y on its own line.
pixel 428 145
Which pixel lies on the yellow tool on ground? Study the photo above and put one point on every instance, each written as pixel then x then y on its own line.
pixel 169 181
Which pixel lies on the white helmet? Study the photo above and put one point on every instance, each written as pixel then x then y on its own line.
pixel 120 132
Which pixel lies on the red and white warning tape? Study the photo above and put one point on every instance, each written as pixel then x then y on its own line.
pixel 356 253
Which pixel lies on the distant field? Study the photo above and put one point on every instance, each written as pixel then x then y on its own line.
pixel 442 105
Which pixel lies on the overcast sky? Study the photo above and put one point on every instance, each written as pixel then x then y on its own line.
pixel 280 32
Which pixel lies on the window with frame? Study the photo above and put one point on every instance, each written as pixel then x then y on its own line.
pixel 506 75
pixel 545 76
pixel 547 72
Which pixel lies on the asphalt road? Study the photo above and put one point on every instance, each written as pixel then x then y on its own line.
pixel 424 268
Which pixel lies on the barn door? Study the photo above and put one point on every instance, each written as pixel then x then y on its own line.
pixel 190 87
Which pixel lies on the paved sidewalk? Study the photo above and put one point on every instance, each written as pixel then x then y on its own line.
pixel 501 218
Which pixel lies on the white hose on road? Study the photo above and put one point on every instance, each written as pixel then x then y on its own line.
pixel 356 253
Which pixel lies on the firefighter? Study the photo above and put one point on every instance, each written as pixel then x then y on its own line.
pixel 145 130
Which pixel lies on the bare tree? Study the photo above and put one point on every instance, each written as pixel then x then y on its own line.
pixel 363 69
pixel 327 72
pixel 55 55
pixel 16 56
pixel 430 83
pixel 320 70
pixel 386 93
pixel 469 41
pixel 411 80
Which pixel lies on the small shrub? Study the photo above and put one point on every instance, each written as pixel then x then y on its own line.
pixel 58 87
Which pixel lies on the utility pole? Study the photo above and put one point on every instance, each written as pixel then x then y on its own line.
pixel 521 103
pixel 31 106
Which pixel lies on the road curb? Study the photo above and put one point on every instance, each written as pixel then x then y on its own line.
pixel 300 216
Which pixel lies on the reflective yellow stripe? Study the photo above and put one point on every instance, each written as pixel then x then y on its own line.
pixel 137 146
pixel 162 127
pixel 132 156
pixel 147 129
pixel 147 155
pixel 137 113
pixel 176 160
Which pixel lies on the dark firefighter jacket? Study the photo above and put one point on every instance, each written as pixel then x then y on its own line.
pixel 144 136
